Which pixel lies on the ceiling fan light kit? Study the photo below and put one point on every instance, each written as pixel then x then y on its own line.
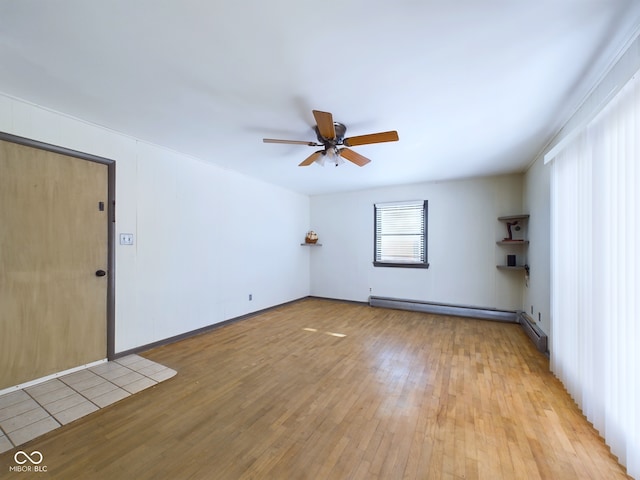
pixel 330 136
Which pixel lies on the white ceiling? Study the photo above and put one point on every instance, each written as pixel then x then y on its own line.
pixel 473 87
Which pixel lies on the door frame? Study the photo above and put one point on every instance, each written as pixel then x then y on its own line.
pixel 111 203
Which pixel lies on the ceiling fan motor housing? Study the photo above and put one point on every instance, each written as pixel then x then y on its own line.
pixel 328 142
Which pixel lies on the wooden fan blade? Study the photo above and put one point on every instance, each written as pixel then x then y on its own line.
pixel 324 120
pixel 391 136
pixel 311 158
pixel 293 142
pixel 354 157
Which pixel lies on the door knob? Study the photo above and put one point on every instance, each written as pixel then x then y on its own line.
pixel 100 273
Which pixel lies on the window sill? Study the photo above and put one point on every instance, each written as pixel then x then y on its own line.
pixel 401 265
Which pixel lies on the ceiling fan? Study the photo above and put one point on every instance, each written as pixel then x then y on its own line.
pixel 330 136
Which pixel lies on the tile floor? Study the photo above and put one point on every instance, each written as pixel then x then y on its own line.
pixel 33 411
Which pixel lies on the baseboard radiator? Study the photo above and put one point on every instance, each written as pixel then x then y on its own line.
pixel 534 332
pixel 445 309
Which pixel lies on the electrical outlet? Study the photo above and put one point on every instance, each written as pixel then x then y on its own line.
pixel 250 296
pixel 531 309
pixel 539 317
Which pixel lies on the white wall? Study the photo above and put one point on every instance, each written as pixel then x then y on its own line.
pixel 462 250
pixel 537 202
pixel 205 237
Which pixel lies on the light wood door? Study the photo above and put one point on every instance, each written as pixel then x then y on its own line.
pixel 53 240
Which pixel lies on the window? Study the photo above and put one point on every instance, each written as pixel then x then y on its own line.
pixel 400 234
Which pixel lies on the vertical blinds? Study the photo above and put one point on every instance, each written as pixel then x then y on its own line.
pixel 400 231
pixel 595 331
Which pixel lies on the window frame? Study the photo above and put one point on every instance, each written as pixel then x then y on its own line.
pixel 425 212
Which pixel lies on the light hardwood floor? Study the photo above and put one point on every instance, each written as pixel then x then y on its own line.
pixel 284 395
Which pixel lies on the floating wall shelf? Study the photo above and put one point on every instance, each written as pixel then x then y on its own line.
pixel 509 218
pixel 517 221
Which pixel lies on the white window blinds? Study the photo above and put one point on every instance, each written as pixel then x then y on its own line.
pixel 401 234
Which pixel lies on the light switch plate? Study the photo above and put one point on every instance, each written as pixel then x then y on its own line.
pixel 126 239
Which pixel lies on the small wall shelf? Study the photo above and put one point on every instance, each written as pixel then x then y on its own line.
pixel 311 244
pixel 509 218
pixel 518 221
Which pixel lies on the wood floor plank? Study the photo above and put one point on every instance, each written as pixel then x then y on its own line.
pixel 335 390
